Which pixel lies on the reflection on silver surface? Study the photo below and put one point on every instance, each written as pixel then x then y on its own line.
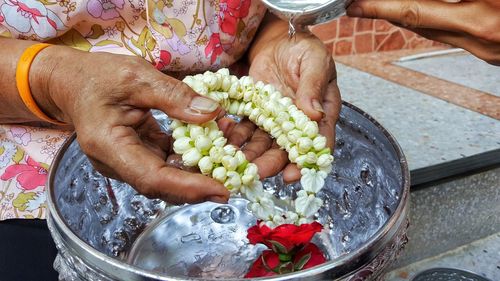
pixel 209 241
pixel 365 204
pixel 304 12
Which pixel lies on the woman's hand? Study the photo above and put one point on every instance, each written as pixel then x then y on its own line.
pixel 473 25
pixel 302 69
pixel 108 100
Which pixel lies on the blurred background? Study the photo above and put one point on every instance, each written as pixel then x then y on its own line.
pixel 443 106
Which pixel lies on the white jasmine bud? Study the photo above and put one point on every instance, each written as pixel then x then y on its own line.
pixel 282 116
pixel 276 132
pixel 251 169
pixel 311 158
pixel 294 135
pixel 182 145
pixel 256 112
pixel 191 157
pixel 216 154
pixel 241 109
pixel 301 121
pixel 229 162
pixel 319 143
pixel 324 160
pixel 301 160
pixel 293 153
pixel 180 132
pixel 259 85
pixel 240 157
pixel 311 129
pixel 248 109
pixel 203 143
pixel 247 179
pixel 219 174
pixel 287 126
pixel 226 83
pixel 304 145
pixel 230 149
pixel 286 101
pixel 260 120
pixel 282 141
pixel 233 180
pixel 205 164
pixel 174 124
pixel 214 134
pixel 233 108
pixel 219 142
pixel 268 89
pixel 276 96
pixel 223 72
pixel 246 82
pixel 195 130
pixel 269 124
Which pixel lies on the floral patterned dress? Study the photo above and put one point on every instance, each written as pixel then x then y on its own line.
pixel 174 35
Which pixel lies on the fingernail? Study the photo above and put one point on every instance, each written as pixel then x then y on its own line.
pixel 317 106
pixel 203 105
pixel 354 11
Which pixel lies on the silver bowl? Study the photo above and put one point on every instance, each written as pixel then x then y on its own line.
pixel 104 230
pixel 307 12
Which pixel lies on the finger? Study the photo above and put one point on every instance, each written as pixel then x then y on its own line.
pixel 490 52
pixel 415 14
pixel 241 132
pixel 258 144
pixel 291 173
pixel 148 173
pixel 332 104
pixel 226 125
pixel 271 162
pixel 316 71
pixel 173 97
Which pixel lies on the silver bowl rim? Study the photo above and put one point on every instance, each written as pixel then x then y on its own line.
pixel 389 227
pixel 314 10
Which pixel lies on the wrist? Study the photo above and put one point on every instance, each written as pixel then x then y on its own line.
pixel 43 87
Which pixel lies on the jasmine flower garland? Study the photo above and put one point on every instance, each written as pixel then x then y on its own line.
pixel 205 146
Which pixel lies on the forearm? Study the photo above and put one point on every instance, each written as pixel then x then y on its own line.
pixel 270 28
pixel 12 108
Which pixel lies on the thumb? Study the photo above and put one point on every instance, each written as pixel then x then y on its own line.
pixel 176 99
pixel 315 74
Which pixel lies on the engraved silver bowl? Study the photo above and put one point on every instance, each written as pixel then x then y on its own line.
pixel 104 230
pixel 307 12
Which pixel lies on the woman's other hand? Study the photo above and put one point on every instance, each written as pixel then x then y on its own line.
pixel 300 68
pixel 108 100
pixel 473 25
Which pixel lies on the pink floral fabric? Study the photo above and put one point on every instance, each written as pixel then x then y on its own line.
pixel 174 35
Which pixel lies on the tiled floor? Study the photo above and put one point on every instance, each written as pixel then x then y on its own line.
pixel 430 130
pixel 383 65
pixel 463 69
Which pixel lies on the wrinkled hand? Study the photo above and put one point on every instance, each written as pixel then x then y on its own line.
pixel 473 25
pixel 302 69
pixel 109 102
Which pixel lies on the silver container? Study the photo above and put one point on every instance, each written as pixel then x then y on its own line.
pixel 307 12
pixel 104 230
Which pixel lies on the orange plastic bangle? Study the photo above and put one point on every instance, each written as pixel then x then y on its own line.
pixel 23 85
